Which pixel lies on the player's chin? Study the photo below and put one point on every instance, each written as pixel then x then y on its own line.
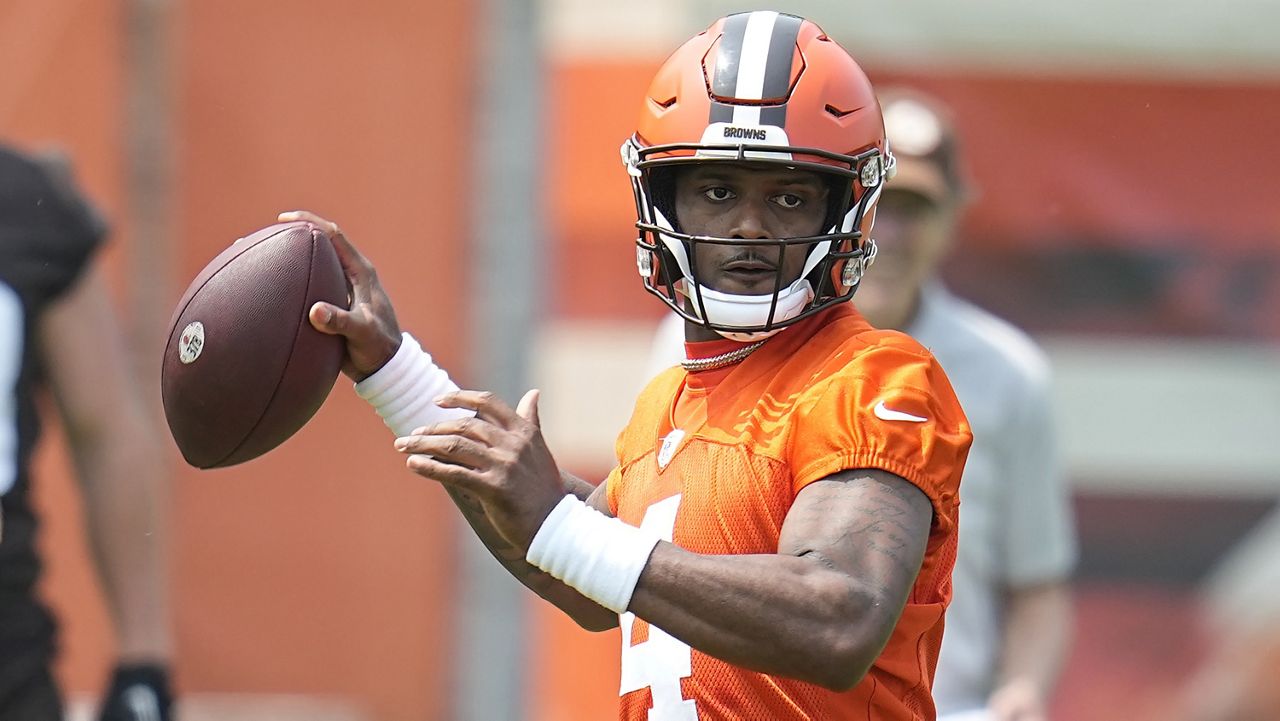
pixel 747 283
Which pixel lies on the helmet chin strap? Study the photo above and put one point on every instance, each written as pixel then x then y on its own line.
pixel 730 310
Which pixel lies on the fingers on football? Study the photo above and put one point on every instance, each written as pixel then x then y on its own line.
pixel 330 319
pixel 327 318
pixel 307 216
pixel 359 271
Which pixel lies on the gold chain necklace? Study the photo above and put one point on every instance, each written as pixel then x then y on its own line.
pixel 722 360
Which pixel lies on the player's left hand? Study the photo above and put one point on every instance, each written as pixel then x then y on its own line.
pixel 499 457
pixel 138 693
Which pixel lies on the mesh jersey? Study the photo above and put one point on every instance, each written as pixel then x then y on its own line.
pixel 829 394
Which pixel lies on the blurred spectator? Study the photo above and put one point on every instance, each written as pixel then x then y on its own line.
pixel 1010 617
pixel 1238 681
pixel 57 331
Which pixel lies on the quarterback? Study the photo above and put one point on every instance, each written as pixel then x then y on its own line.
pixel 777 538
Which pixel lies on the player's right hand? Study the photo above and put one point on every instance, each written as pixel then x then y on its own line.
pixel 499 457
pixel 369 326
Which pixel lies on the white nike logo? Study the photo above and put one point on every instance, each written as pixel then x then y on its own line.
pixel 888 414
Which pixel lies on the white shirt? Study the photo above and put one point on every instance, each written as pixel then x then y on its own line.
pixel 1016 526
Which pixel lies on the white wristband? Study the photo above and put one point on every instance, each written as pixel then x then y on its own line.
pixel 404 390
pixel 601 557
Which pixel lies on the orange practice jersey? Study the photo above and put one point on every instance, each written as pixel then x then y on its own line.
pixel 713 461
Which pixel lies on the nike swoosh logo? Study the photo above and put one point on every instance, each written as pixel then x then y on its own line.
pixel 888 414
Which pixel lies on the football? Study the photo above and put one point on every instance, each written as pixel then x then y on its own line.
pixel 243 369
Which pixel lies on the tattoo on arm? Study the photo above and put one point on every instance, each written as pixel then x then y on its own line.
pixel 885 522
pixel 865 523
pixel 508 555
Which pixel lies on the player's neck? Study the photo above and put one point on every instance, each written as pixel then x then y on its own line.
pixel 697 333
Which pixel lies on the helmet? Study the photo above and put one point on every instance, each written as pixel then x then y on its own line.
pixel 759 87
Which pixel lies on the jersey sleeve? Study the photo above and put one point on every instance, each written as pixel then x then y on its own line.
pixel 48 230
pixel 892 408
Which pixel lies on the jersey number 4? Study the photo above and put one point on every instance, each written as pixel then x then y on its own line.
pixel 659 663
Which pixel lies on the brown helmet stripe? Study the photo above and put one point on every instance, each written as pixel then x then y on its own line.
pixel 782 48
pixel 771 38
pixel 728 53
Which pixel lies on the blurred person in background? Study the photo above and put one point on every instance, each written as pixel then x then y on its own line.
pixel 1010 617
pixel 58 332
pixel 1240 677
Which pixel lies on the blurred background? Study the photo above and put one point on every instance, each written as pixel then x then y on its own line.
pixel 1127 159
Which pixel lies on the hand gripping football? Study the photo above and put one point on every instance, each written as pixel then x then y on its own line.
pixel 243 369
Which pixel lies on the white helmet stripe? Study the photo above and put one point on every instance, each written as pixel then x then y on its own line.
pixel 748 115
pixel 673 244
pixel 755 55
pixel 865 205
pixel 815 256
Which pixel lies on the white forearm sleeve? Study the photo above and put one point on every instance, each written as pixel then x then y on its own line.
pixel 404 390
pixel 600 556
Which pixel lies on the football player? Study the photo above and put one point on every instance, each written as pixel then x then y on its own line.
pixel 777 538
pixel 57 330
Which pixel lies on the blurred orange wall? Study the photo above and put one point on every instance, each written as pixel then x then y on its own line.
pixel 324 567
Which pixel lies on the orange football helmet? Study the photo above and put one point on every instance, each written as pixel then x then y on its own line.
pixel 759 87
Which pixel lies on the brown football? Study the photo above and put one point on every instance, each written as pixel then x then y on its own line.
pixel 243 369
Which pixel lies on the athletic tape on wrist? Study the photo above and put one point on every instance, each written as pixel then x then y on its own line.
pixel 404 390
pixel 601 557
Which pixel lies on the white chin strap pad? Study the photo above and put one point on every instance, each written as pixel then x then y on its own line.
pixel 745 311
